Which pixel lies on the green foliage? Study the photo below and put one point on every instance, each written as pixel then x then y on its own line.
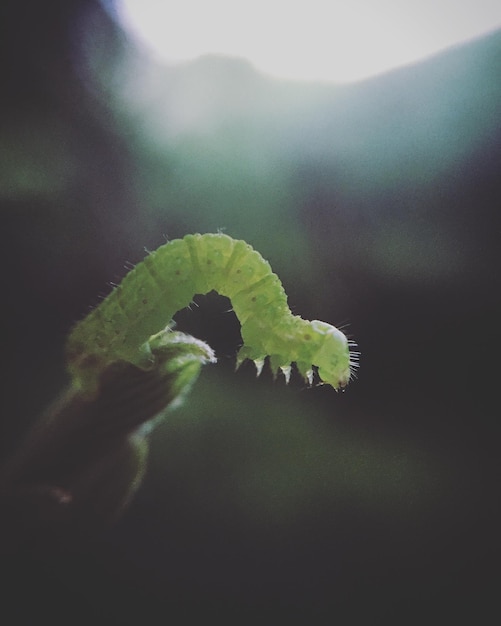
pixel 86 457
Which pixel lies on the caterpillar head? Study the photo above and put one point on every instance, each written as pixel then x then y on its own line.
pixel 332 354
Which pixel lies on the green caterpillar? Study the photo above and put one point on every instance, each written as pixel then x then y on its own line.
pixel 120 328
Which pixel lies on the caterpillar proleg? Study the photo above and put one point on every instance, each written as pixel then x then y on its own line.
pixel 143 304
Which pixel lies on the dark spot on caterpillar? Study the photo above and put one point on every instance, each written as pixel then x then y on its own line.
pixel 145 300
pixel 177 272
pixel 253 299
pixel 209 262
pixel 307 337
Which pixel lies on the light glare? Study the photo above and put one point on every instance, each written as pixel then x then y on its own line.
pixel 310 40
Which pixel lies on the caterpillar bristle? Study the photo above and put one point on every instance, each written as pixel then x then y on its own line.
pixel 259 363
pixel 309 377
pixel 286 371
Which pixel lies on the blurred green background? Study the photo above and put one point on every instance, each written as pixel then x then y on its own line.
pixel 378 205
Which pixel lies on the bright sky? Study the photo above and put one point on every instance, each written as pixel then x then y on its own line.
pixel 309 39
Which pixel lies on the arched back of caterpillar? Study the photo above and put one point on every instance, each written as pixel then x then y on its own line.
pixel 166 281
